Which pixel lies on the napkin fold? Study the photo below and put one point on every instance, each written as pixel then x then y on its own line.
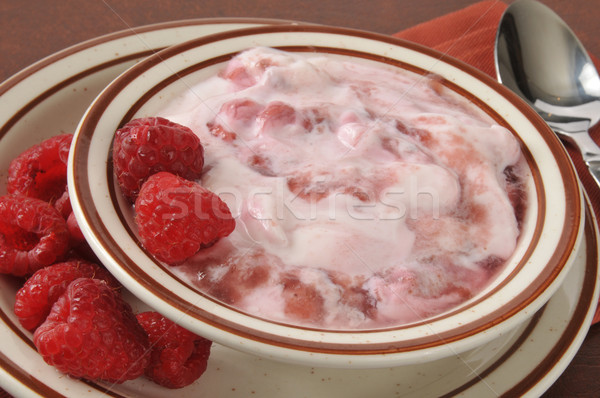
pixel 469 35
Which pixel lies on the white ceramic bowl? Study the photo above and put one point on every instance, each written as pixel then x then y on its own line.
pixel 551 234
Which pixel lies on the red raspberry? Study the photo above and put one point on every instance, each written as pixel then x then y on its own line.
pixel 146 146
pixel 74 230
pixel 176 217
pixel 35 299
pixel 279 114
pixel 92 333
pixel 77 242
pixel 276 115
pixel 82 251
pixel 63 204
pixel 238 74
pixel 221 132
pixel 178 356
pixel 41 171
pixel 32 235
pixel 243 109
pixel 233 280
pixel 302 301
pixel 234 115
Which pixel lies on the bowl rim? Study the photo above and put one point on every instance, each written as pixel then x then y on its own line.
pixel 129 272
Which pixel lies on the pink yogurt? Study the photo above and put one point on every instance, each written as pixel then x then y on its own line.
pixel 365 196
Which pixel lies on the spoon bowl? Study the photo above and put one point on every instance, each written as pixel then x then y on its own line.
pixel 539 57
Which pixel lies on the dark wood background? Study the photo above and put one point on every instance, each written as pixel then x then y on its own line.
pixel 33 29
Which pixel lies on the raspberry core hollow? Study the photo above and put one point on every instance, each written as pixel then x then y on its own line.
pixel 365 196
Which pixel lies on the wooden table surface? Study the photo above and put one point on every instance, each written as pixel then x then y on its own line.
pixel 33 29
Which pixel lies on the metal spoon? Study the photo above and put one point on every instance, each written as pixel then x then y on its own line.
pixel 540 58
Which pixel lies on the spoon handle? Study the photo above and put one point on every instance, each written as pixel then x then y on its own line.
pixel 590 152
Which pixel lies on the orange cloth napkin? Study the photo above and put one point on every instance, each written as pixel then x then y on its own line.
pixel 469 35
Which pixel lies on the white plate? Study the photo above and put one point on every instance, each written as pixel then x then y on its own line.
pixel 49 97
